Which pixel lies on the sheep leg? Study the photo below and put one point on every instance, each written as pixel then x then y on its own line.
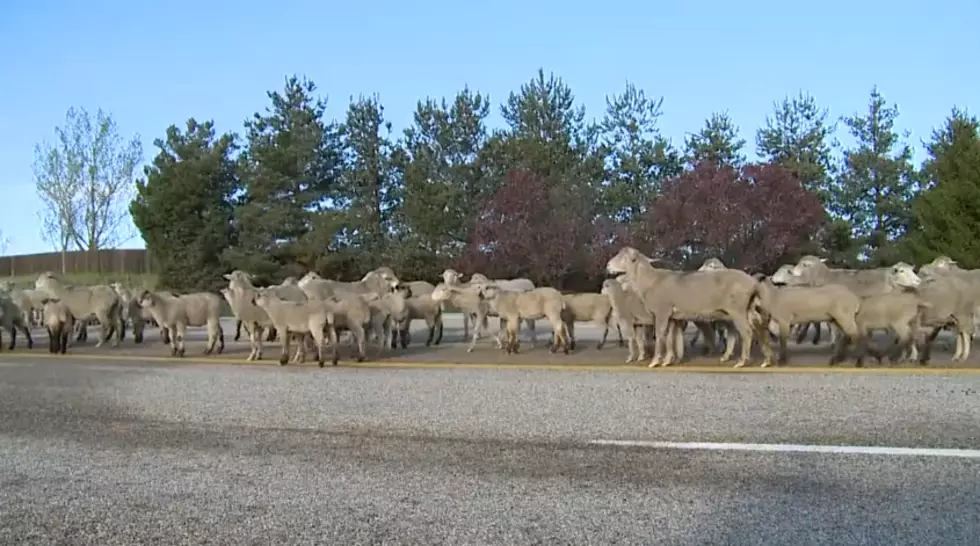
pixel 431 323
pixel 675 342
pixel 570 328
pixel 707 332
pixel 238 329
pixel 695 337
pixel 848 336
pixel 619 331
pixel 477 331
pixel 13 337
pixel 253 342
pixel 27 333
pixel 138 327
pixel 801 330
pixel 173 342
pixel 284 355
pixel 927 346
pixel 567 340
pixel 729 343
pixel 406 334
pixel 54 338
pixel 604 324
pixel 784 332
pixel 334 344
pixel 103 329
pixel 632 354
pixel 358 332
pixel 213 332
pixel 439 326
pixel 513 331
pixel 965 333
pixel 662 320
pixel 273 334
pixel 318 340
pixel 741 323
pixel 532 327
pixel 501 328
pixel 467 317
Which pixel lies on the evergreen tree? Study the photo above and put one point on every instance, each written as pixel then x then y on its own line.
pixel 370 191
pixel 443 178
pixel 947 213
pixel 547 135
pixel 877 179
pixel 638 158
pixel 183 207
pixel 797 136
pixel 289 170
pixel 717 142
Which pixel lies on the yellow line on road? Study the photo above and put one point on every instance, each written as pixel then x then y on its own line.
pixel 516 366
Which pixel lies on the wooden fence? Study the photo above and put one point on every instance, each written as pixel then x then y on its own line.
pixel 116 261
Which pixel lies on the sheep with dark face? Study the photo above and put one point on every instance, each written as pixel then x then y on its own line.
pixel 59 322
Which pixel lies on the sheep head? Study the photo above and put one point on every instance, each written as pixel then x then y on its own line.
pixel 450 276
pixel 903 275
pixel 712 264
pixel 784 275
pixel 627 260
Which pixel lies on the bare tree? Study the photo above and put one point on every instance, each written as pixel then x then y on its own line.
pixel 86 181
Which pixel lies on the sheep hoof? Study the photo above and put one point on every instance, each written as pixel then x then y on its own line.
pixel 739 364
pixel 180 353
pixel 765 364
pixel 283 360
pixel 173 352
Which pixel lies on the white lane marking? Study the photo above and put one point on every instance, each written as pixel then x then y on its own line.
pixel 798 448
pixel 16 364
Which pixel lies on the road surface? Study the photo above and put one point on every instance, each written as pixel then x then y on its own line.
pixel 107 453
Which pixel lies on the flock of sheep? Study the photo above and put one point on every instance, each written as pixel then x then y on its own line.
pixel 643 302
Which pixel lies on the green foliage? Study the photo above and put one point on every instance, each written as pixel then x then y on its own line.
pixel 638 158
pixel 877 178
pixel 947 213
pixel 548 194
pixel 797 136
pixel 289 170
pixel 444 179
pixel 369 189
pixel 183 207
pixel 717 142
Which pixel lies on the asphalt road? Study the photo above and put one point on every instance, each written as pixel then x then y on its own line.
pixel 134 453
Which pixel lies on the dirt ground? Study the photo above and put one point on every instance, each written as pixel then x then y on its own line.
pixel 452 349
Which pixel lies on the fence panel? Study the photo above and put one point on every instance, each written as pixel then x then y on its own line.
pixel 121 261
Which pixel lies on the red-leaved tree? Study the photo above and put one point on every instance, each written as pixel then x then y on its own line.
pixel 530 228
pixel 748 218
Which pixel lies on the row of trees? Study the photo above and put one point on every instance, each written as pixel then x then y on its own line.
pixel 549 196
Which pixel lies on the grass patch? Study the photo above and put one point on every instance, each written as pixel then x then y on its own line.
pixel 148 281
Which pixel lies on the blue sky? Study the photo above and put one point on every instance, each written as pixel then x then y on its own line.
pixel 154 64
